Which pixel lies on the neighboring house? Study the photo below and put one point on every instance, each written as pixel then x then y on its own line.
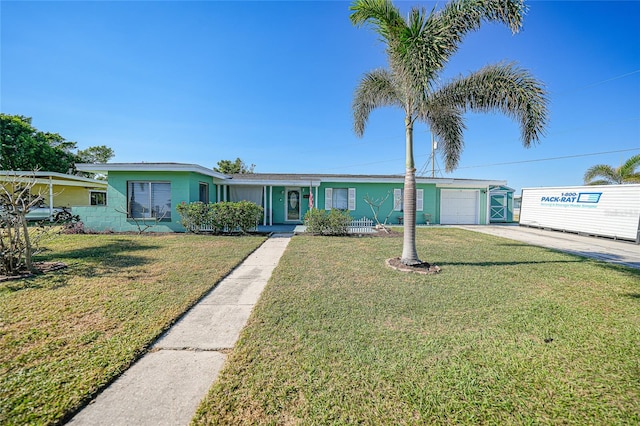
pixel 60 190
pixel 151 192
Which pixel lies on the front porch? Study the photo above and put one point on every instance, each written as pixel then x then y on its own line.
pixel 277 228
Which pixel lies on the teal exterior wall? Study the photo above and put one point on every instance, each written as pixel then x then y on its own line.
pixel 377 192
pixel 184 188
pixel 278 205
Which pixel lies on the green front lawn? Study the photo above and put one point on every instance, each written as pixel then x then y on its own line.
pixel 66 334
pixel 506 334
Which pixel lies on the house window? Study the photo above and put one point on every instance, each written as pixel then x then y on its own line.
pixel 340 198
pixel 398 199
pixel 204 192
pixel 149 200
pixel 98 198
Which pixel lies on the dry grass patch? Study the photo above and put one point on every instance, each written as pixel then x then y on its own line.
pixel 66 334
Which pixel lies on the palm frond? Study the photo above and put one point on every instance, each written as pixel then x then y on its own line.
pixel 447 124
pixel 627 170
pixel 376 89
pixel 411 58
pixel 505 88
pixel 608 174
pixel 382 13
pixel 448 26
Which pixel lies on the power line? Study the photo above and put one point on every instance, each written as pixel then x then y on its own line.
pixel 588 86
pixel 549 158
pixel 439 170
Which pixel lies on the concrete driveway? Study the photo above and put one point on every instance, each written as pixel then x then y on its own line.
pixel 609 250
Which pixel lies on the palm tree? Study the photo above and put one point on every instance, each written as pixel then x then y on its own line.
pixel 626 173
pixel 417 50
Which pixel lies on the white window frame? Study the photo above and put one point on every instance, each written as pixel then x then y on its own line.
pixel 328 198
pixel 398 199
pixel 165 216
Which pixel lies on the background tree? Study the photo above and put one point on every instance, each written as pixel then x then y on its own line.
pixel 95 154
pixel 23 147
pixel 229 167
pixel 417 50
pixel 626 173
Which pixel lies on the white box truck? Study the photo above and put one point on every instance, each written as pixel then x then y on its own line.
pixel 603 210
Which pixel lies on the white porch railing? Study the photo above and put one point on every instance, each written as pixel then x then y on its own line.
pixel 207 227
pixel 361 226
pixel 357 226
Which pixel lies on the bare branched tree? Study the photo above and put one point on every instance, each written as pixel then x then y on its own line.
pixel 143 223
pixel 375 204
pixel 17 246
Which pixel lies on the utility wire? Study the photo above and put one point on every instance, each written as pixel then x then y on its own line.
pixel 588 86
pixel 439 170
pixel 549 158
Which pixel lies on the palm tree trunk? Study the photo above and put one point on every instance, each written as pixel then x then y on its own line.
pixel 409 251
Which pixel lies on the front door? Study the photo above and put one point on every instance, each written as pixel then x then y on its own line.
pixel 293 205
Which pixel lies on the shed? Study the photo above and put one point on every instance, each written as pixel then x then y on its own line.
pixel 501 204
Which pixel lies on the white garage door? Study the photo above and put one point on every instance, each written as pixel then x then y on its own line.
pixel 459 207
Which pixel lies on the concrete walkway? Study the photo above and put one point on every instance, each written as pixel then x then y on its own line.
pixel 167 384
pixel 605 249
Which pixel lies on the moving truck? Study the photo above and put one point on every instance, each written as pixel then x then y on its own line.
pixel 603 210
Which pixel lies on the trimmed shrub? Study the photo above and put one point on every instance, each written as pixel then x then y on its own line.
pixel 336 222
pixel 339 221
pixel 219 217
pixel 249 215
pixel 316 221
pixel 194 215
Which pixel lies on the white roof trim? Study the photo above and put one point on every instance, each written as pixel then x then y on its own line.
pixel 469 183
pixel 58 178
pixel 149 167
pixel 319 179
pixel 302 180
pixel 274 182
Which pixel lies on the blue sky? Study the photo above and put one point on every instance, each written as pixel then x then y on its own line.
pixel 272 82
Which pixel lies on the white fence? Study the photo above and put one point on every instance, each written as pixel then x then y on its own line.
pixel 361 226
pixel 207 227
pixel 357 226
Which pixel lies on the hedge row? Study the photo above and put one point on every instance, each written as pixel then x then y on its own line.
pixel 220 217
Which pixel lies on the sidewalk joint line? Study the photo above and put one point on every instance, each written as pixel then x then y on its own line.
pixel 191 349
